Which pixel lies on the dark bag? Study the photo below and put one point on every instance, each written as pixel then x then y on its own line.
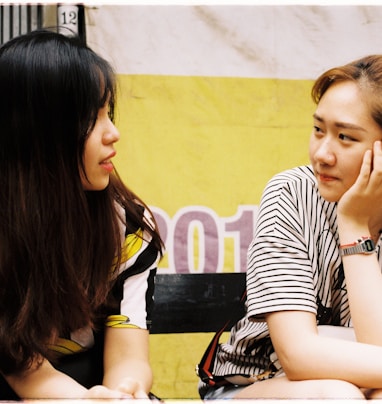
pixel 205 367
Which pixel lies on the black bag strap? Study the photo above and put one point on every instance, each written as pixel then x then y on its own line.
pixel 205 367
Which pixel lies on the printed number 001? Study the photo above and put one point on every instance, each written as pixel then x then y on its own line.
pixel 202 226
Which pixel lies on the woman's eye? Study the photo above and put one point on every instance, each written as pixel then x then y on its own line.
pixel 342 136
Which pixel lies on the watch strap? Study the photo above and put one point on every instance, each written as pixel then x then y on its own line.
pixel 364 245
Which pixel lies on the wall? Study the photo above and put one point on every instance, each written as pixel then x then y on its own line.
pixel 214 100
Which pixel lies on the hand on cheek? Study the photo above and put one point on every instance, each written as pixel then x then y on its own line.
pixel 363 199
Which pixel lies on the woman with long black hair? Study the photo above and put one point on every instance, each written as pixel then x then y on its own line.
pixel 78 250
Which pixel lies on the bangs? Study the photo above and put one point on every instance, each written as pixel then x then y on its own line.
pixel 107 93
pixel 103 91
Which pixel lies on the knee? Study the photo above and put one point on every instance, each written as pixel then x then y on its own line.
pixel 339 389
pixel 282 388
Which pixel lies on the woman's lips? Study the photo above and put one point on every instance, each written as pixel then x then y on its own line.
pixel 107 165
pixel 326 178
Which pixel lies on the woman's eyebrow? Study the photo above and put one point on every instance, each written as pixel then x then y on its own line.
pixel 342 125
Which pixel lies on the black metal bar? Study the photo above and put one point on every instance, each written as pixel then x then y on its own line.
pixel 10 22
pixel 82 23
pixel 29 18
pixel 1 24
pixel 20 10
pixel 39 16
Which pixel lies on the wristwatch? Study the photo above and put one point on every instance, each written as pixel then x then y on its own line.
pixel 364 245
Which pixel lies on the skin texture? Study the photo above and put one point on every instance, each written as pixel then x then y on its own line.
pixel 346 155
pixel 99 149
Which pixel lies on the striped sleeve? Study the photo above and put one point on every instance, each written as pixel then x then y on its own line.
pixel 280 275
pixel 293 264
pixel 134 287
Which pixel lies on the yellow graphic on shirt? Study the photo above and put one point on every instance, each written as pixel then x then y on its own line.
pixel 66 347
pixel 131 246
pixel 119 321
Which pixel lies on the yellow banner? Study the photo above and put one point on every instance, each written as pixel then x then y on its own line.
pixel 200 150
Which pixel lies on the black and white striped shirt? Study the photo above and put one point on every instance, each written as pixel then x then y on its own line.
pixel 293 264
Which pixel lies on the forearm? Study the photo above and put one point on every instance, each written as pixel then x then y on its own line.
pixel 307 355
pixel 329 358
pixel 364 285
pixel 45 382
pixel 134 369
pixel 126 361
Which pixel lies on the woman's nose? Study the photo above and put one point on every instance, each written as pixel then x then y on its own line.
pixel 111 134
pixel 325 153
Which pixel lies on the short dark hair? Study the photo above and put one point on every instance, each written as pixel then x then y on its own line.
pixel 366 72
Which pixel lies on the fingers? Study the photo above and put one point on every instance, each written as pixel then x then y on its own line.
pixel 371 168
pixel 132 387
pixel 366 167
pixel 103 392
pixel 364 198
pixel 129 388
pixel 377 160
pixel 140 394
pixel 377 148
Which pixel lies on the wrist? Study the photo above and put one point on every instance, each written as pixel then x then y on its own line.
pixel 363 245
pixel 350 232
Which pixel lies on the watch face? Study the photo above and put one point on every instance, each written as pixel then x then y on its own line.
pixel 369 245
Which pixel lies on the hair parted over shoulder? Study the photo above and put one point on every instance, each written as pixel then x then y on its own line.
pixel 366 72
pixel 58 241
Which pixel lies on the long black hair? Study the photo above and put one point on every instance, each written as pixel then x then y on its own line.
pixel 58 242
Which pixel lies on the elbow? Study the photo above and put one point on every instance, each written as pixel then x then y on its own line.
pixel 296 365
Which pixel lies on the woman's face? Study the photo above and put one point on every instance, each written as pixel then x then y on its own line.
pixel 99 150
pixel 343 130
